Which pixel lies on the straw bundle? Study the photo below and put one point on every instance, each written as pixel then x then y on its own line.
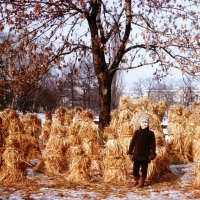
pixel 194 122
pixel 46 128
pixel 90 142
pixel 13 169
pixel 54 157
pixel 175 132
pixel 125 132
pixel 54 152
pixel 80 163
pixel 160 165
pixel 18 129
pixel 115 169
pixel 32 129
pixel 83 153
pixel 188 130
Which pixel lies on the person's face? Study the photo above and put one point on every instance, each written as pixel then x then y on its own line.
pixel 143 124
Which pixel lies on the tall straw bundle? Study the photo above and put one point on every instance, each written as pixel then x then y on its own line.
pixel 125 132
pixel 53 156
pixel 46 128
pixel 32 128
pixel 194 135
pixel 13 169
pixel 81 140
pixel 90 142
pixel 160 165
pixel 175 132
pixel 187 133
pixel 195 118
pixel 115 170
pixel 17 128
pixel 54 153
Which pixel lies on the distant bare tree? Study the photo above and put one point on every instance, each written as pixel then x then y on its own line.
pixel 188 86
pixel 143 86
pixel 155 90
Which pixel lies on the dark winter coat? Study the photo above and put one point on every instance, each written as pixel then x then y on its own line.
pixel 143 145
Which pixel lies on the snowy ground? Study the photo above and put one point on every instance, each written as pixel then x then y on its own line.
pixel 172 187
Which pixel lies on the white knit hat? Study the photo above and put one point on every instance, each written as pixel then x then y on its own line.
pixel 144 118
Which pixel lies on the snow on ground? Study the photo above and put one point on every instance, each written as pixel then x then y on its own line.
pixel 175 186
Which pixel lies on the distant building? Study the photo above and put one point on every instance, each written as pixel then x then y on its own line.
pixel 184 96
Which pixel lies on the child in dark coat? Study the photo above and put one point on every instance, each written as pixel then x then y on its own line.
pixel 142 149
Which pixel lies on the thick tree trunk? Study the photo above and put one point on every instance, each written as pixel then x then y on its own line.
pixel 105 102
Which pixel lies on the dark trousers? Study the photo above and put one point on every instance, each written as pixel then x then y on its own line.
pixel 136 168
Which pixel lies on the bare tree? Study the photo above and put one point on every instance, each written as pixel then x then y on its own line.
pixel 155 90
pixel 160 32
pixel 143 86
pixel 188 87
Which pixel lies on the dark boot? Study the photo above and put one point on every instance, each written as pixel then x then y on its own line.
pixel 141 182
pixel 136 181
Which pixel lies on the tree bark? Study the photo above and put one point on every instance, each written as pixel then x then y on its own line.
pixel 105 101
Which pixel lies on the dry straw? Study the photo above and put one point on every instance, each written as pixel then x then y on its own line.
pixel 13 169
pixel 115 170
pixel 125 133
pixel 175 139
pixel 32 128
pixel 53 155
pixel 193 148
pixel 46 128
pixel 90 141
pixel 78 159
